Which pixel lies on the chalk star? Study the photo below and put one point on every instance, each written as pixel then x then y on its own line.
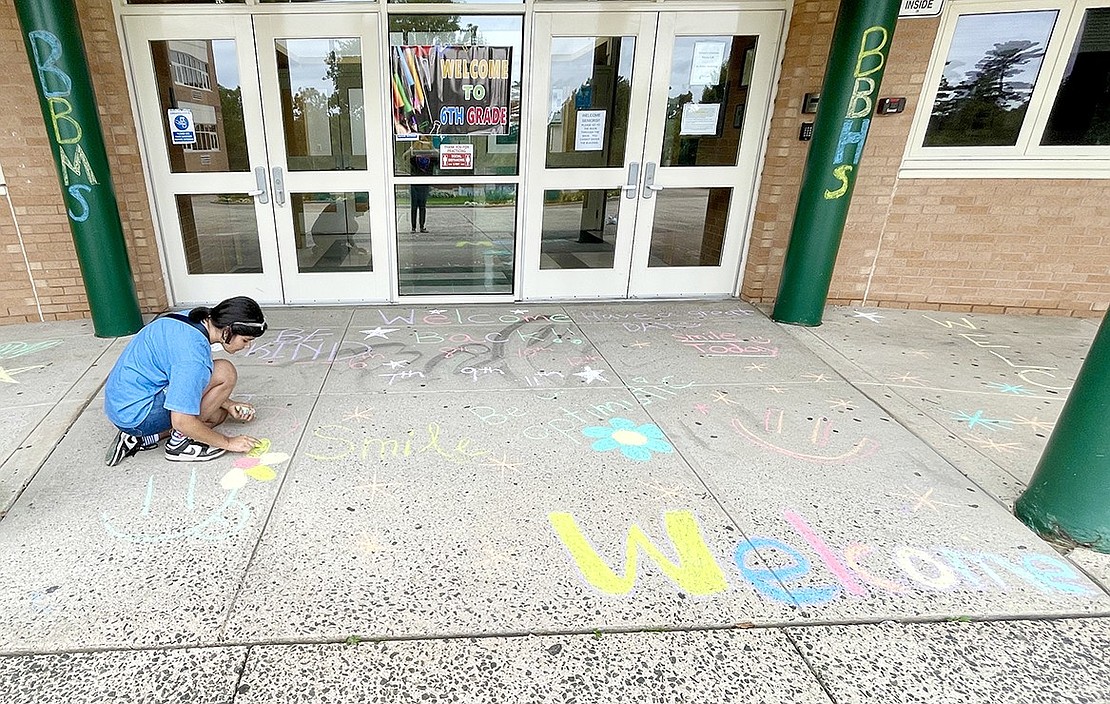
pixel 663 491
pixel 375 487
pixel 815 377
pixel 1004 448
pixel 924 500
pixel 776 389
pixel 590 374
pixel 369 544
pixel 359 414
pixel 701 408
pixel 873 317
pixel 436 311
pixel 6 374
pixel 493 556
pixel 906 378
pixel 503 464
pixel 722 397
pixel 839 404
pixel 395 364
pixel 640 344
pixel 1016 389
pixel 519 311
pixel 378 332
pixel 756 367
pixel 977 418
pixel 1034 423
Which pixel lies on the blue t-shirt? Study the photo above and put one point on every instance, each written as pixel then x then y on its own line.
pixel 166 354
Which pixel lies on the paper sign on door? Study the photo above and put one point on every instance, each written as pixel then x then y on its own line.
pixel 182 130
pixel 589 132
pixel 456 156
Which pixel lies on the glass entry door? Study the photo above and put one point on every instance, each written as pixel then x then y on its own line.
pixel 646 150
pixel 256 133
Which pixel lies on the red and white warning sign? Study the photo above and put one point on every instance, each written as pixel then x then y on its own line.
pixel 456 156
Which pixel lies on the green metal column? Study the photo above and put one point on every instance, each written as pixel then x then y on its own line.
pixel 57 54
pixel 857 59
pixel 1068 498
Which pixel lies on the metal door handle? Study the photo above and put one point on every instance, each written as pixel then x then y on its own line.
pixel 260 178
pixel 633 180
pixel 649 180
pixel 279 186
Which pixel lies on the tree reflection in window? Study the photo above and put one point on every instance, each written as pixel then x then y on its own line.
pixel 986 104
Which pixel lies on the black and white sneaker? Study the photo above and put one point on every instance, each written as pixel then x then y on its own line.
pixel 123 445
pixel 180 448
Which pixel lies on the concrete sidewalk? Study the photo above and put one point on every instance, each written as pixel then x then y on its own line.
pixel 663 502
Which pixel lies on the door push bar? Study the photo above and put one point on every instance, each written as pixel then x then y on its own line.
pixel 260 192
pixel 649 180
pixel 279 186
pixel 633 180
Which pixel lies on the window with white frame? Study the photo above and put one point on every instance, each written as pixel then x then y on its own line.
pixel 208 139
pixel 1017 89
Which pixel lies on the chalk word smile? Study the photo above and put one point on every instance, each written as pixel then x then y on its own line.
pixel 726 344
pixel 697 571
pixel 363 448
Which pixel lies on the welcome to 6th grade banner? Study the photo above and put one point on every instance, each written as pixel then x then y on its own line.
pixel 450 89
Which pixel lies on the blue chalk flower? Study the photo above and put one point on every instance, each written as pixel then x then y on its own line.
pixel 636 442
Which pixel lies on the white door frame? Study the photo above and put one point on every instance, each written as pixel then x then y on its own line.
pixel 630 276
pixel 329 287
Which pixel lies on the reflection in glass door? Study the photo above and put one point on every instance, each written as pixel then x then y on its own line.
pixel 200 117
pixel 639 197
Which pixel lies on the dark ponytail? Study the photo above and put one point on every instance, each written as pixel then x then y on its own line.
pixel 241 314
pixel 198 315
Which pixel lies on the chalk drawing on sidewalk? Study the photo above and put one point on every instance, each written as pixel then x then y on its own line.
pixel 1003 448
pixel 378 332
pixel 503 464
pixel 10 350
pixel 589 375
pixel 921 500
pixel 857 570
pixel 258 464
pixel 359 414
pixel 977 419
pixel 873 317
pixel 728 344
pixel 1035 423
pixel 635 442
pixel 221 523
pixel 7 375
pixel 301 346
pixel 820 435
pixel 375 488
pixel 1016 389
pixel 372 544
pixel 839 404
pixel 347 445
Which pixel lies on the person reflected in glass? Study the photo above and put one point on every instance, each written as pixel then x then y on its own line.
pixel 423 160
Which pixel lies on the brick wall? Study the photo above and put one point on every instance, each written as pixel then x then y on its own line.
pixel 986 245
pixel 33 182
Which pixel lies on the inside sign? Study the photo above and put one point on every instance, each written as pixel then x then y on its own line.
pixel 920 8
